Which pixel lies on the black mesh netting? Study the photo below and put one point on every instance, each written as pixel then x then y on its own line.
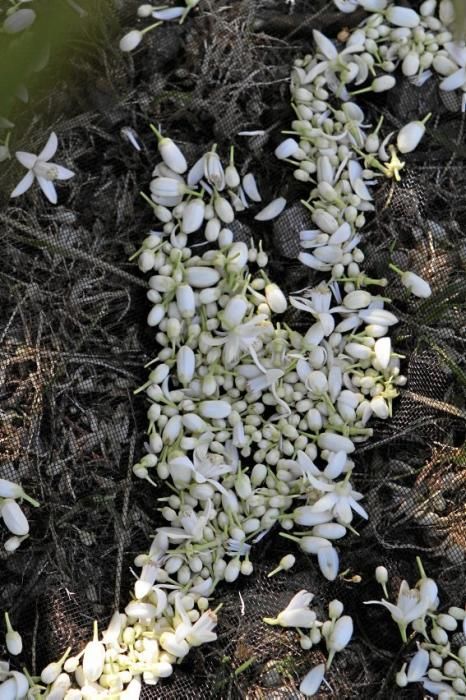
pixel 73 342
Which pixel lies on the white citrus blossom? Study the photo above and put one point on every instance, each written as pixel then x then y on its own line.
pixel 41 169
pixel 296 613
pixel 412 604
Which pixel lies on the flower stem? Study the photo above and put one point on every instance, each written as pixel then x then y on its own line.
pixel 421 567
pixel 395 269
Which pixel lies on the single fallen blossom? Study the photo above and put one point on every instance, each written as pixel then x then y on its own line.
pixel 13 640
pixel 296 613
pixel 416 285
pixel 412 603
pixel 411 134
pixel 285 563
pixel 133 38
pixel 41 169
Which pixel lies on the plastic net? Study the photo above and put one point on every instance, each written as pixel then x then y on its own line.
pixel 73 342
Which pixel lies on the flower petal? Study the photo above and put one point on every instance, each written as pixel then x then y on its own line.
pixel 169 13
pixel 327 502
pixel 312 681
pixel 335 465
pixel 328 562
pixel 454 81
pixel 325 45
pixel 394 610
pixel 23 185
pixel 343 511
pixel 358 509
pixel 48 189
pixel 50 147
pixel 63 173
pixel 26 159
pixel 272 210
pixel 418 666
pixel 457 52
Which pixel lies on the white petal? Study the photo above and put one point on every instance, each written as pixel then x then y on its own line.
pixel 383 349
pixel 357 507
pixel 63 173
pixel 457 52
pixel 346 6
pixel 454 81
pixel 26 159
pixel 328 562
pixel 341 634
pixel 402 16
pixel 196 173
pixel 50 148
pixel 341 235
pixel 48 189
pixel 315 334
pixel 336 465
pixel 169 13
pixel 343 511
pixel 23 184
pixel 287 148
pixel 312 681
pixel 312 262
pixel 418 666
pixel 272 210
pixel 250 187
pixel 325 45
pixel 14 518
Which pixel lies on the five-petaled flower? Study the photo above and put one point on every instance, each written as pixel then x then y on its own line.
pixel 41 169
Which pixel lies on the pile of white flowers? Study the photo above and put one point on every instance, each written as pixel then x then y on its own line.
pixel 439 664
pixel 252 424
pixel 12 514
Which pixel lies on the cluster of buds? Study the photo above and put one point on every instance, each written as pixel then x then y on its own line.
pixel 233 384
pixel 440 661
pixel 137 646
pixel 336 632
pixel 421 43
pixel 12 514
pixel 252 424
pixel 161 13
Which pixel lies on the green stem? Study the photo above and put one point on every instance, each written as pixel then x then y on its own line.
pixel 426 118
pixel 156 131
pixel 30 500
pixel 150 27
pixel 245 666
pixel 421 567
pixel 8 624
pixel 395 269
